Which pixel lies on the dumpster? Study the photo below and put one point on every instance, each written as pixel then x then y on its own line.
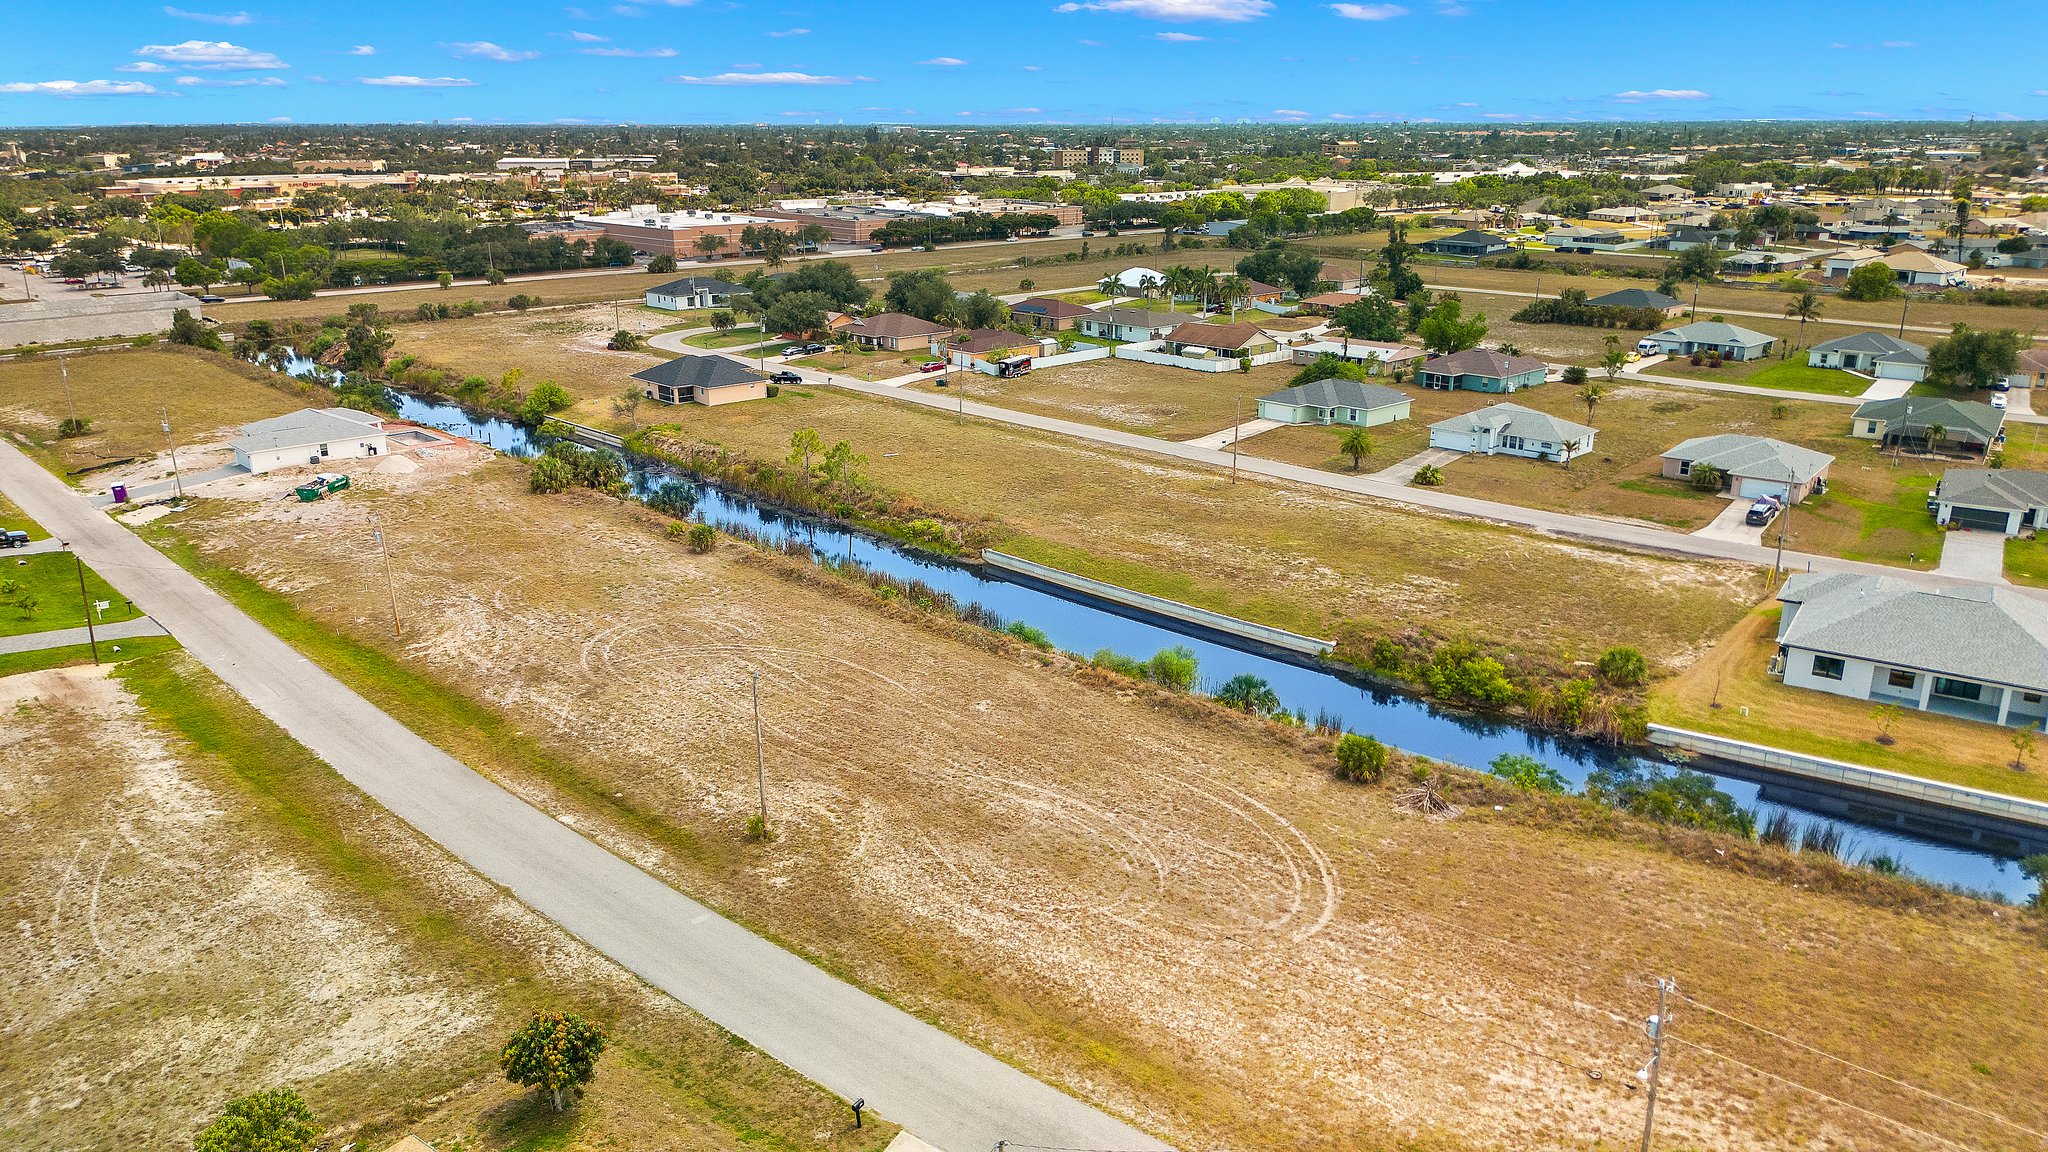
pixel 332 481
pixel 120 493
pixel 310 492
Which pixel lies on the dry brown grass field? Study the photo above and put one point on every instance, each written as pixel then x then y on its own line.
pixel 1155 399
pixel 566 346
pixel 1174 913
pixel 197 918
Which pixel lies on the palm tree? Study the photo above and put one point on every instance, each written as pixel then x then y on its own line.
pixel 1805 306
pixel 1934 434
pixel 1357 444
pixel 1591 392
pixel 1570 448
pixel 1110 286
pixel 1234 290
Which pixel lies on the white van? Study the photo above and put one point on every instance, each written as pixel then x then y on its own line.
pixel 1647 346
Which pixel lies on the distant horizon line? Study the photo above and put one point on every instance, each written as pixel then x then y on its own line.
pixel 1361 122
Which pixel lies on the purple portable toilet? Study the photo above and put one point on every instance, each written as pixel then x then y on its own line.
pixel 120 493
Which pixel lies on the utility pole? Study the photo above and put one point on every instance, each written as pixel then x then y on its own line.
pixel 1236 427
pixel 389 587
pixel 1904 302
pixel 177 481
pixel 1784 521
pixel 760 763
pixel 1655 1028
pixel 64 369
pixel 85 601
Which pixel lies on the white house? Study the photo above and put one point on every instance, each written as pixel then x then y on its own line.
pixel 1729 341
pixel 1872 354
pixel 1839 264
pixel 1979 653
pixel 2005 500
pixel 692 292
pixel 1926 270
pixel 1512 430
pixel 1140 279
pixel 309 436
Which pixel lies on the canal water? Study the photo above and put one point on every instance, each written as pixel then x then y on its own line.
pixel 1076 624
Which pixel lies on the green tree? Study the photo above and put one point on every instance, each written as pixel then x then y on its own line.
pixel 1613 358
pixel 709 243
pixel 662 264
pixel 2035 868
pixel 921 292
pixel 546 399
pixel 805 443
pixel 1361 759
pixel 2022 746
pixel 1357 444
pixel 772 244
pixel 1575 375
pixel 556 1053
pixel 1393 269
pixel 1249 693
pixel 191 330
pixel 796 312
pixel 1706 478
pixel 1371 317
pixel 1970 358
pixel 981 310
pixel 1699 264
pixel 276 1120
pixel 365 348
pixel 1670 796
pixel 1590 393
pixel 723 321
pixel 1447 329
pixel 842 466
pixel 1872 281
pixel 193 272
pixel 1173 669
pixel 445 279
pixel 626 406
pixel 1527 773
pixel 1804 306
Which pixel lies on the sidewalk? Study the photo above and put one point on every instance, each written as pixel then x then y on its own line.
pixel 66 637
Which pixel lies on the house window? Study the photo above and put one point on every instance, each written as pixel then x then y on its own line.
pixel 1354 413
pixel 1511 443
pixel 1870 427
pixel 1900 678
pixel 1958 689
pixel 1684 468
pixel 2030 697
pixel 1828 667
pixel 323 451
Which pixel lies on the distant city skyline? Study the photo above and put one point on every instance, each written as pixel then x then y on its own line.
pixel 1048 61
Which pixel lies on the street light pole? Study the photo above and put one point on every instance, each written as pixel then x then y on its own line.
pixel 177 481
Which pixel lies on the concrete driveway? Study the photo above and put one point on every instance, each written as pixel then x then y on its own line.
pixel 1886 389
pixel 1404 471
pixel 1973 556
pixel 1221 441
pixel 1728 525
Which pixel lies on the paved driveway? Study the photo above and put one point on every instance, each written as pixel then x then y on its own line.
pixel 1220 441
pixel 1886 390
pixel 1403 472
pixel 1729 526
pixel 1973 556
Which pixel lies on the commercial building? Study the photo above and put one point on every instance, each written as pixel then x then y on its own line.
pixel 150 187
pixel 677 233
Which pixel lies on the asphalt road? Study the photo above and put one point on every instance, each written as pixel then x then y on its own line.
pixel 952 1095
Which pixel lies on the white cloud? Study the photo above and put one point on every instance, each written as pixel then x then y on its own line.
pixel 80 88
pixel 361 50
pixel 212 56
pixel 244 82
pixel 2041 92
pixel 1176 10
pixel 280 120
pixel 418 82
pixel 1032 68
pixel 944 61
pixel 1634 96
pixel 791 32
pixel 237 19
pixel 1450 8
pixel 1288 112
pixel 582 37
pixel 142 66
pixel 1368 11
pixel 485 50
pixel 631 53
pixel 1176 37
pixel 1091 43
pixel 746 78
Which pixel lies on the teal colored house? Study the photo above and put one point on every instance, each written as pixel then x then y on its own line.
pixel 1478 370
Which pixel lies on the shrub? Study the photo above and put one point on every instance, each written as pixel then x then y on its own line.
pixel 1429 476
pixel 1670 796
pixel 522 302
pixel 72 426
pixel 1035 637
pixel 625 340
pixel 551 474
pixel 1459 671
pixel 546 399
pixel 703 537
pixel 1361 759
pixel 1249 693
pixel 1386 656
pixel 1527 773
pixel 1623 666
pixel 1173 669
pixel 274 1121
pixel 1110 660
pixel 1705 478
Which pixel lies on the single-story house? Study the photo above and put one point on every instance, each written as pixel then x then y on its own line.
pixel 989 351
pixel 308 436
pixel 1480 370
pixel 1260 292
pixel 1757 262
pixel 1667 192
pixel 1978 653
pixel 1377 356
pixel 1128 324
pixel 1624 214
pixel 1838 265
pixel 1573 238
pixel 1713 336
pixel 1751 466
pixel 707 380
pixel 1682 236
pixel 1140 279
pixel 1326 303
pixel 1926 270
pixel 1904 422
pixel 1335 402
pixel 2032 371
pixel 896 332
pixel 1873 354
pixel 1344 277
pixel 693 292
pixel 1048 314
pixel 1638 298
pixel 1472 218
pixel 1233 340
pixel 2007 500
pixel 1512 430
pixel 1466 243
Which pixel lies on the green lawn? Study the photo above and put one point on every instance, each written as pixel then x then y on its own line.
pixel 2026 562
pixel 52 579
pixel 732 339
pixel 135 648
pixel 12 518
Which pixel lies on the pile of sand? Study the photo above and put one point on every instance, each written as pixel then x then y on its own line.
pixel 396 465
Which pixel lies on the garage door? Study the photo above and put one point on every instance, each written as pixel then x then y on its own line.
pixel 1982 519
pixel 1752 488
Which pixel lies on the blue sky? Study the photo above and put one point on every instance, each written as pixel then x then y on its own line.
pixel 1087 61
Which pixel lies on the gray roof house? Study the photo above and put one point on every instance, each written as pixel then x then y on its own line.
pixel 1466 243
pixel 308 436
pixel 1128 324
pixel 709 380
pixel 1978 653
pixel 1335 401
pixel 1481 370
pixel 1872 354
pixel 1905 422
pixel 1751 466
pixel 1711 336
pixel 2007 500
pixel 693 292
pixel 1512 430
pixel 1638 298
pixel 1574 238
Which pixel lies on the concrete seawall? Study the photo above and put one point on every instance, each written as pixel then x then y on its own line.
pixel 1160 606
pixel 1840 774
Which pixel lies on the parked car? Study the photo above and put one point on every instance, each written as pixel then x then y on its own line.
pixel 74 279
pixel 2001 386
pixel 1998 400
pixel 1762 511
pixel 212 299
pixel 784 377
pixel 1646 347
pixel 13 538
pixel 805 350
pixel 932 366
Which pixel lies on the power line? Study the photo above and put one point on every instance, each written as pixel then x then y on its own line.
pixel 1803 1046
pixel 1791 1083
